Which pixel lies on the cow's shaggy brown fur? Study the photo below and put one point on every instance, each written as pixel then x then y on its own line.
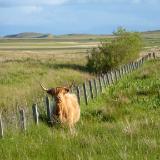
pixel 67 107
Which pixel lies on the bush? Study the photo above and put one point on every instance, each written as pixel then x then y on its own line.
pixel 124 48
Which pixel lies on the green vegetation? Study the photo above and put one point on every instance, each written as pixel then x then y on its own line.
pixel 123 123
pixel 124 48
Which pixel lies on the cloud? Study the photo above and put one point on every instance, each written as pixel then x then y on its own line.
pixel 22 3
pixel 18 3
pixel 78 16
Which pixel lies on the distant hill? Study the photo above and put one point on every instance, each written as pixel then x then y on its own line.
pixel 29 35
pixel 155 31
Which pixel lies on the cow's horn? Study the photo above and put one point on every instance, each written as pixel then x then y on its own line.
pixel 45 89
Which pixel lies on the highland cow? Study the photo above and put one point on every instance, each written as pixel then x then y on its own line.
pixel 67 108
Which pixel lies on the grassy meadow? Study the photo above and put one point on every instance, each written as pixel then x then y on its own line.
pixel 151 39
pixel 123 123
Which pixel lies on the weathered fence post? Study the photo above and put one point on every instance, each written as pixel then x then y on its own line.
pixel 90 88
pixel 22 120
pixel 142 60
pixel 109 78
pixel 103 80
pixel 106 80
pixel 85 93
pixel 35 114
pixel 125 69
pixel 48 109
pixel 128 68
pixel 139 63
pixel 112 77
pixel 1 127
pixel 100 83
pixel 154 55
pixel 95 87
pixel 78 94
pixel 134 65
pixel 150 55
pixel 120 72
pixel 116 75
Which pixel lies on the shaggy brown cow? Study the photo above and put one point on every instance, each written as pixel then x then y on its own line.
pixel 67 107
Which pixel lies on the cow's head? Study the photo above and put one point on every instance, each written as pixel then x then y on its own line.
pixel 57 91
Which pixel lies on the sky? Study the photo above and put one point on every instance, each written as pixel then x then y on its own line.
pixel 78 16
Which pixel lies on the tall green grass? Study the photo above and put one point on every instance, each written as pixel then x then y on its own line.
pixel 123 123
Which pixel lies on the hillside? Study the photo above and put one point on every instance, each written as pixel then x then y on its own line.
pixel 41 35
pixel 29 35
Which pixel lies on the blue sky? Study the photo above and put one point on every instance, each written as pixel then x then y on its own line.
pixel 78 16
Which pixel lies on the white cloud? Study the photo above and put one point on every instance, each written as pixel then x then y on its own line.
pixel 15 3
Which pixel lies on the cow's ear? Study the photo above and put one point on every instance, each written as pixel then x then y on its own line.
pixel 66 89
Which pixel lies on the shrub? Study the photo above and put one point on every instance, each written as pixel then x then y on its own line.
pixel 124 48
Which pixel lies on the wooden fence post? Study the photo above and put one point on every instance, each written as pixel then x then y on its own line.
pixel 90 88
pixel 139 63
pixel 1 127
pixel 78 94
pixel 150 55
pixel 116 75
pixel 112 77
pixel 100 83
pixel 22 120
pixel 109 79
pixel 143 59
pixel 128 68
pixel 134 65
pixel 95 87
pixel 125 69
pixel 85 93
pixel 103 80
pixel 120 72
pixel 35 114
pixel 131 66
pixel 49 117
pixel 154 55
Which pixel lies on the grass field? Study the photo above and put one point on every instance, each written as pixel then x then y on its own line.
pixel 21 73
pixel 26 62
pixel 152 39
pixel 123 123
